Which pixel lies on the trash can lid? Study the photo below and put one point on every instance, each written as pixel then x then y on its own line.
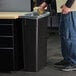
pixel 34 15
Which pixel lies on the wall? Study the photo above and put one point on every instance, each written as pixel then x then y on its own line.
pixel 15 5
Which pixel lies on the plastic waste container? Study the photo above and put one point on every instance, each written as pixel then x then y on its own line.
pixel 35 41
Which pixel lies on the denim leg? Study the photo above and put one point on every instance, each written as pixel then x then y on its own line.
pixel 68 37
pixel 64 35
pixel 72 51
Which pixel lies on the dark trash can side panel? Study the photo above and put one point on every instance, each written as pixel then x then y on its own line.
pixel 29 44
pixel 42 42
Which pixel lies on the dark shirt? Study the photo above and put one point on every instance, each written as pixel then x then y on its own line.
pixel 68 3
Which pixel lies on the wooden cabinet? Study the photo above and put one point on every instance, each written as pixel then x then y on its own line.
pixel 11 54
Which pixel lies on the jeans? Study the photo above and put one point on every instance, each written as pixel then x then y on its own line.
pixel 68 37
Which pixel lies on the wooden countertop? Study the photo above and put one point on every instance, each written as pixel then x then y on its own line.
pixel 11 15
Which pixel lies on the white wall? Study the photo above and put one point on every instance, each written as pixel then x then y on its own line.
pixel 15 5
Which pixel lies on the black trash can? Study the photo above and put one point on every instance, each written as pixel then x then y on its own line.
pixel 35 41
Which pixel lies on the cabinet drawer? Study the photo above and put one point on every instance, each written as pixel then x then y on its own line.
pixel 6 21
pixel 5 30
pixel 6 42
pixel 6 59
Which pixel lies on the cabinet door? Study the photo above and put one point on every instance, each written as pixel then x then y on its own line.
pixel 6 42
pixel 6 27
pixel 5 30
pixel 6 59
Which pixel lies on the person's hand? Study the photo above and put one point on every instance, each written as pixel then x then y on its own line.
pixel 43 6
pixel 41 10
pixel 65 9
